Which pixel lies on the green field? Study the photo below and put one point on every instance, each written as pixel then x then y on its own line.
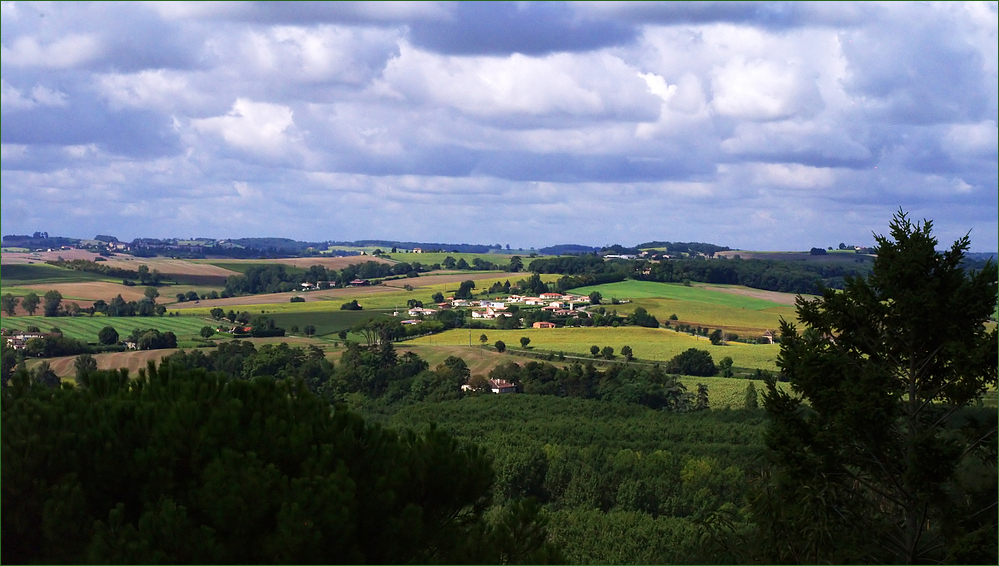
pixel 653 290
pixel 86 328
pixel 41 274
pixel 701 306
pixel 655 344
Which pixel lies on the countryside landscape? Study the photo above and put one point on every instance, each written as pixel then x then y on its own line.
pixel 499 283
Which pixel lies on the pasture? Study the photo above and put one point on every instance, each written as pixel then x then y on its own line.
pixel 86 328
pixel 747 312
pixel 22 274
pixel 653 290
pixel 654 344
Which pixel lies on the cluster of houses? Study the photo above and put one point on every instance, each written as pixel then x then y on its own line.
pixel 18 340
pixel 557 303
pixel 497 386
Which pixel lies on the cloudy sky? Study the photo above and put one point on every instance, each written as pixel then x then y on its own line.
pixel 752 125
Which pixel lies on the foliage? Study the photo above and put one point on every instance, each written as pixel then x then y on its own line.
pixel 351 306
pixel 53 299
pixel 102 474
pixel 692 362
pixel 50 346
pixel 30 303
pixel 9 303
pixel 886 463
pixel 107 336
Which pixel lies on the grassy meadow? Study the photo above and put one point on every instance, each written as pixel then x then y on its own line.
pixel 655 344
pixel 86 328
pixel 702 305
pixel 19 274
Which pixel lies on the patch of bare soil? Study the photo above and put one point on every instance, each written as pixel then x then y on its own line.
pixel 92 290
pixel 133 361
pixel 123 261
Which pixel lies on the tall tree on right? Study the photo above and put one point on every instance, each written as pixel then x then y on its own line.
pixel 877 452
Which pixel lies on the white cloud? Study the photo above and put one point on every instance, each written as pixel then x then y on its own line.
pixel 253 126
pixel 13 99
pixel 152 88
pixel 69 51
pixel 972 140
pixel 592 85
pixel 762 90
pixel 792 176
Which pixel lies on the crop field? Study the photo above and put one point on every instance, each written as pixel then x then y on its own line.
pixel 22 274
pixel 133 361
pixel 654 344
pixel 86 328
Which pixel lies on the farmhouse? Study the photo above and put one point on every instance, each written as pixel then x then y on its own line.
pixel 543 324
pixel 551 296
pixel 502 386
pixel 359 282
pixel 20 340
pixel 417 311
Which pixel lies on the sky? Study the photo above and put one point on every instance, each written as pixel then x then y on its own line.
pixel 759 126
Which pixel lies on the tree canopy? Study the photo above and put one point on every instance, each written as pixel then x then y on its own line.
pixel 877 449
pixel 184 466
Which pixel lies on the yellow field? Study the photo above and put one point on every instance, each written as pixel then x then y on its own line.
pixel 744 322
pixel 647 343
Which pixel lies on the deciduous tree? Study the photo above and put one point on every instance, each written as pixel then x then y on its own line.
pixel 53 299
pixel 9 303
pixel 30 303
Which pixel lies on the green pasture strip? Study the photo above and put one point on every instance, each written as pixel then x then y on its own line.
pixel 41 274
pixel 86 328
pixel 22 291
pixel 653 290
pixel 326 322
pixel 655 344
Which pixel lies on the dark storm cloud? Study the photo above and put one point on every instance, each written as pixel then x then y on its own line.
pixel 499 28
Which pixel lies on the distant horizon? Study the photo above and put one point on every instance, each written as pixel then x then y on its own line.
pixel 941 247
pixel 763 125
